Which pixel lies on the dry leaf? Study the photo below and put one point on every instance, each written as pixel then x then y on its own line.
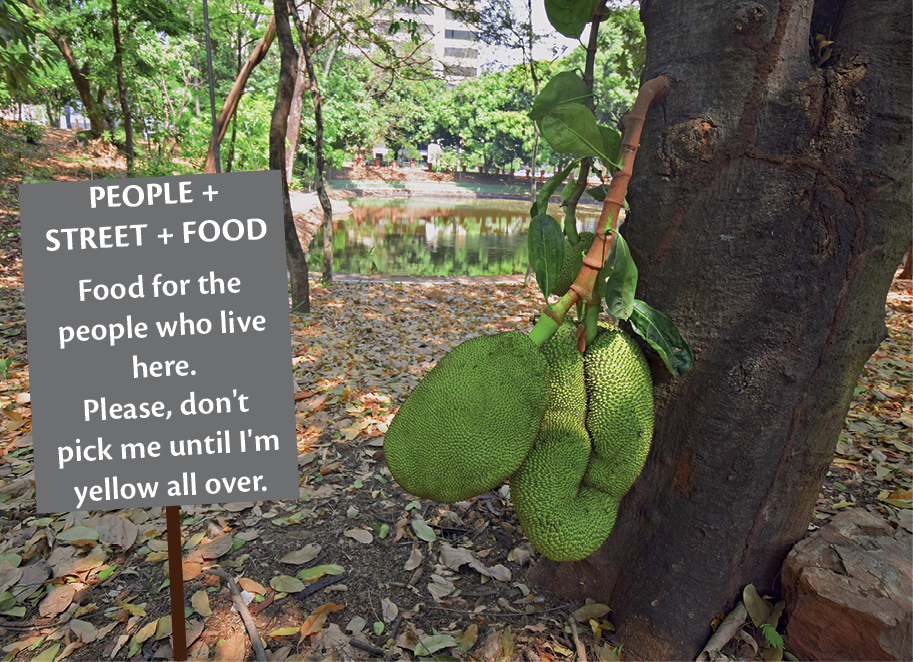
pixel 586 612
pixel 84 630
pixel 389 609
pixel 301 556
pixel 218 547
pixel 415 559
pixel 56 601
pixel 252 586
pixel 200 602
pixel 360 535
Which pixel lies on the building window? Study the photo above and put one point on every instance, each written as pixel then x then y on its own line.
pixel 462 35
pixel 420 9
pixel 464 53
pixel 460 71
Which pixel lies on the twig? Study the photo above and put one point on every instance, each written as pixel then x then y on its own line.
pixel 396 625
pixel 249 624
pixel 321 583
pixel 581 650
pixel 491 614
pixel 374 650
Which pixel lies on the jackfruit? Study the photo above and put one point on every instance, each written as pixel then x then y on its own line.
pixel 573 260
pixel 591 446
pixel 471 421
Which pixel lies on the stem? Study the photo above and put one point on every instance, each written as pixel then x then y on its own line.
pixel 582 288
pixel 545 328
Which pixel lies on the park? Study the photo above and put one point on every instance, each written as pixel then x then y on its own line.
pixel 744 170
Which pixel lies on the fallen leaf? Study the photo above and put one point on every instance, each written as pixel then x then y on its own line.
pixel 423 531
pixel 360 535
pixel 286 584
pixel 84 630
pixel 248 584
pixel 315 573
pixel 301 556
pixel 200 603
pixel 415 559
pixel 389 610
pixel 593 610
pixel 56 601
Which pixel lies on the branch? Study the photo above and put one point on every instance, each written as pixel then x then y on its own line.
pixel 595 258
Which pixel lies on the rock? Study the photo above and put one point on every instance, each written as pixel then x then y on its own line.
pixel 849 591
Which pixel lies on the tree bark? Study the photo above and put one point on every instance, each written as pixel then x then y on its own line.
pixel 294 255
pixel 319 160
pixel 770 207
pixel 122 88
pixel 907 272
pixel 234 95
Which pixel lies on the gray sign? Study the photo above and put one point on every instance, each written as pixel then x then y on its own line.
pixel 158 334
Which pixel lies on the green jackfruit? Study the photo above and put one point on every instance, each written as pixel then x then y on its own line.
pixel 591 446
pixel 573 260
pixel 471 421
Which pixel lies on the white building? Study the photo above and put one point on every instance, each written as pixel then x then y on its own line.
pixel 454 44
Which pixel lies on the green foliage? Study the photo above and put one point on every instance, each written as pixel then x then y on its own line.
pixel 546 251
pixel 663 336
pixel 569 17
pixel 620 287
pixel 772 636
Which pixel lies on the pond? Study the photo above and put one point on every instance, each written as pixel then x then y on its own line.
pixel 433 238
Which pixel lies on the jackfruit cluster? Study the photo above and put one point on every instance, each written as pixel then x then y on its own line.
pixel 571 432
pixel 471 421
pixel 592 443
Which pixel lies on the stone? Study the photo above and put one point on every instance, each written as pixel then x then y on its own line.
pixel 849 591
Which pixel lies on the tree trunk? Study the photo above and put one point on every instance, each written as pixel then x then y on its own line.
pixel 294 255
pixel 294 117
pixel 234 95
pixel 122 88
pixel 770 207
pixel 319 161
pixel 907 272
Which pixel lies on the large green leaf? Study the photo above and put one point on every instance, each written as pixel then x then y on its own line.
pixel 619 290
pixel 572 128
pixel 547 191
pixel 663 336
pixel 566 87
pixel 546 251
pixel 569 17
pixel 611 141
pixel 598 192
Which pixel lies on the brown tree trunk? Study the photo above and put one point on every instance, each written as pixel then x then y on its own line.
pixel 770 207
pixel 294 255
pixel 234 95
pixel 122 88
pixel 907 272
pixel 294 117
pixel 319 159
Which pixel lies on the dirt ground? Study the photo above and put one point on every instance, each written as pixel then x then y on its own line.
pixel 379 573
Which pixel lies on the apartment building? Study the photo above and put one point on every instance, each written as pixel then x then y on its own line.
pixel 455 44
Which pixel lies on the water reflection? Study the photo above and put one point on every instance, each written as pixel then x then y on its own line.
pixel 431 238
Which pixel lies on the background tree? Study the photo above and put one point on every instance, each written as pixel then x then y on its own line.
pixel 770 207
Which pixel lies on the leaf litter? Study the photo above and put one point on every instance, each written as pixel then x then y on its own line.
pixel 317 572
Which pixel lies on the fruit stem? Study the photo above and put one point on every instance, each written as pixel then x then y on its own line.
pixel 583 287
pixel 545 328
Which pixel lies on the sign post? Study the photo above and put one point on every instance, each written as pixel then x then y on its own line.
pixel 159 356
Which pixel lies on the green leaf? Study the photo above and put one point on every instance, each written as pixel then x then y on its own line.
pixel 569 17
pixel 572 129
pixel 598 192
pixel 773 637
pixel 434 643
pixel 547 191
pixel 423 531
pixel 619 289
pixel 546 251
pixel 663 336
pixel 315 573
pixel 378 628
pixel 611 141
pixel 566 87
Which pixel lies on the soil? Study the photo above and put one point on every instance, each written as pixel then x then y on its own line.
pixel 345 488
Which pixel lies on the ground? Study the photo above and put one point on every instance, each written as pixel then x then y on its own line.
pixel 375 561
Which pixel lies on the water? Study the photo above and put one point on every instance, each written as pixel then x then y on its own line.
pixel 432 238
